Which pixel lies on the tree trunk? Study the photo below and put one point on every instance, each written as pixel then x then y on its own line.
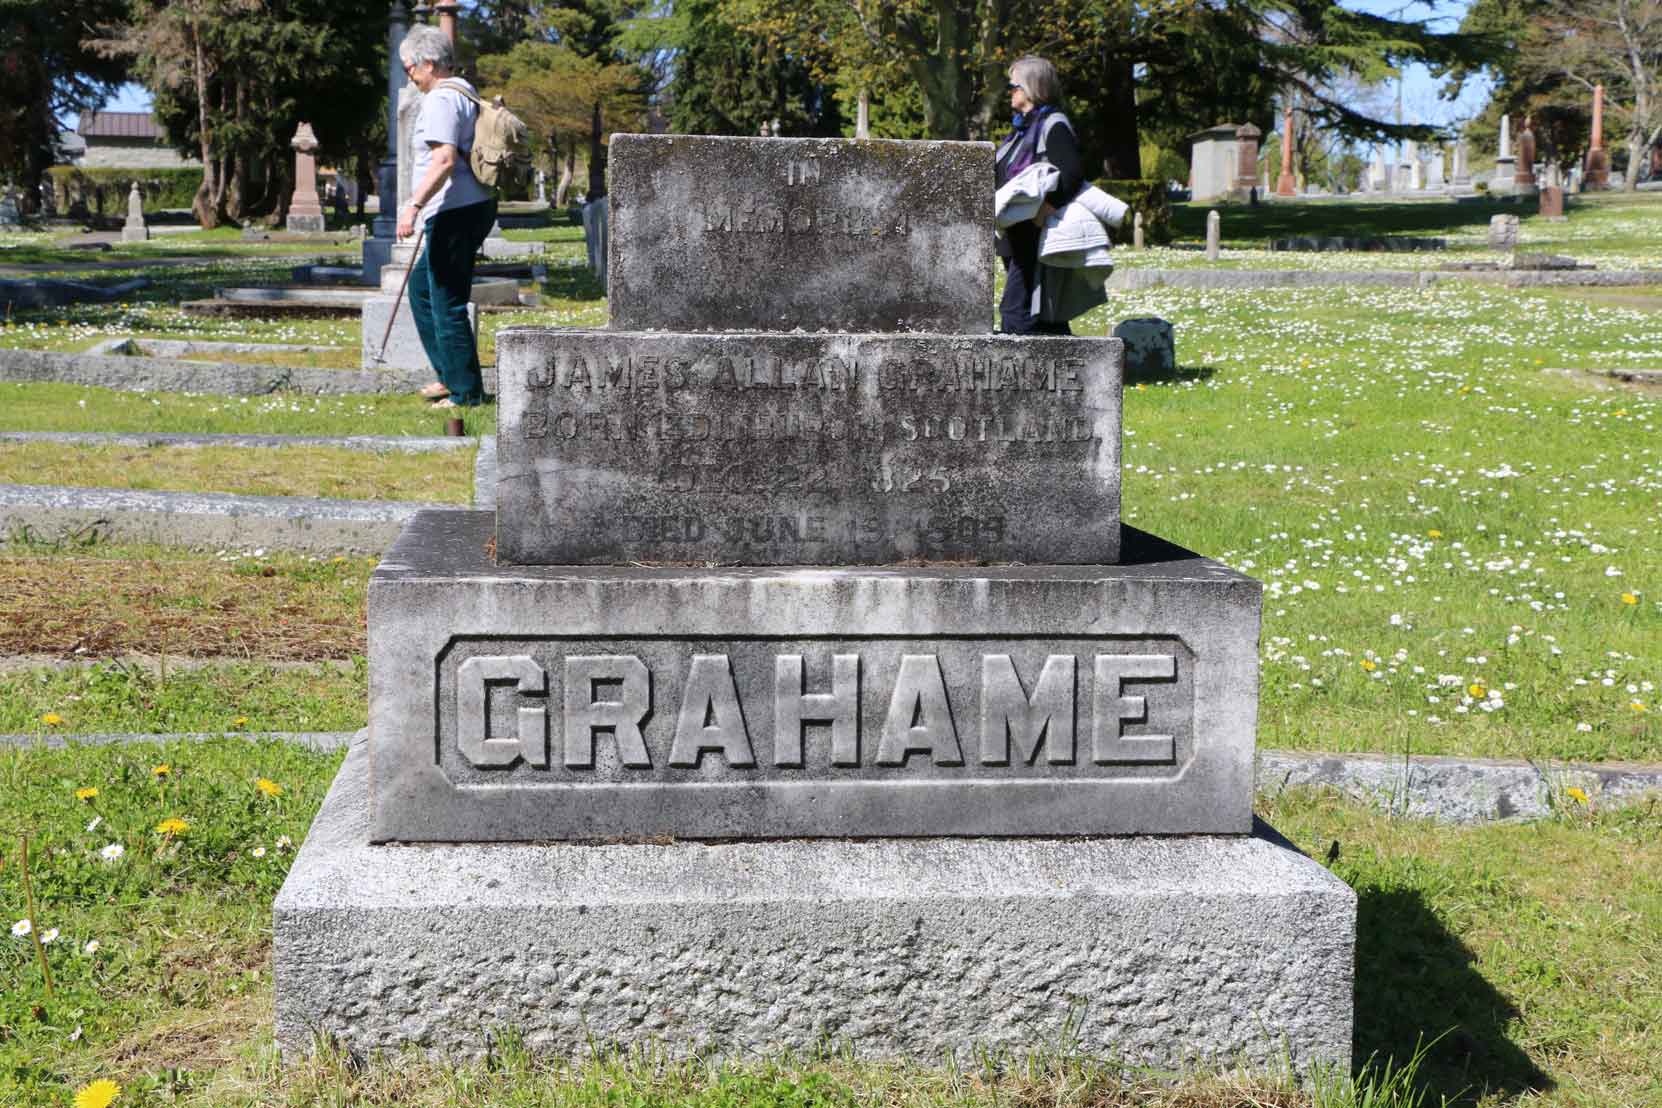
pixel 205 207
pixel 1635 152
pixel 597 156
pixel 1121 156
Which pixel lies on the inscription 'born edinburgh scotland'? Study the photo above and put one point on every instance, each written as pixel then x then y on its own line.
pixel 807 449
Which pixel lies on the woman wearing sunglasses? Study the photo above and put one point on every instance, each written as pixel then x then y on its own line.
pixel 1041 133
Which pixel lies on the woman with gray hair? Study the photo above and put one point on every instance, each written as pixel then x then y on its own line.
pixel 1041 133
pixel 455 211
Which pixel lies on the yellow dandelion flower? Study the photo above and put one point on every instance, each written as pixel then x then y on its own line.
pixel 1576 793
pixel 1638 706
pixel 86 792
pixel 1476 691
pixel 51 719
pixel 269 787
pixel 240 721
pixel 172 825
pixel 1434 533
pixel 1629 598
pixel 162 770
pixel 1369 664
pixel 99 1094
pixel 1621 411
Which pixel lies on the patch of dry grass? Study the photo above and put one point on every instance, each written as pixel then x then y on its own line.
pixel 283 609
pixel 286 471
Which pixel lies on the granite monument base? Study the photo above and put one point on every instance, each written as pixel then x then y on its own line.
pixel 537 703
pixel 1165 952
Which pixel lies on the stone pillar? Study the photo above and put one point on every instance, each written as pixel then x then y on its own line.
pixel 1598 159
pixel 1434 170
pixel 1246 164
pixel 1285 185
pixel 134 230
pixel 1416 169
pixel 1137 232
pixel 447 19
pixel 1378 176
pixel 1502 184
pixel 1525 180
pixel 1462 164
pixel 378 247
pixel 1214 236
pixel 305 210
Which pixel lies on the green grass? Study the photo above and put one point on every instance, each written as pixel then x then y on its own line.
pixel 58 407
pixel 1528 953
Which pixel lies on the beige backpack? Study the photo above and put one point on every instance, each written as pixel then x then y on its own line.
pixel 501 154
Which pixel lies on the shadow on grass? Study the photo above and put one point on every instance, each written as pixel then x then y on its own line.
pixel 1171 376
pixel 573 282
pixel 1414 978
pixel 1289 219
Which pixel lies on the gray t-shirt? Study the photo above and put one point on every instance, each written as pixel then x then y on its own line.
pixel 447 117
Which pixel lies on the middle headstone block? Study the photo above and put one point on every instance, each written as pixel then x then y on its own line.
pixel 806 449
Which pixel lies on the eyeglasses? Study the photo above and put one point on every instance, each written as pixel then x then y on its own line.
pixel 1011 86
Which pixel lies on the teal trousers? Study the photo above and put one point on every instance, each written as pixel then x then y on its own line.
pixel 441 283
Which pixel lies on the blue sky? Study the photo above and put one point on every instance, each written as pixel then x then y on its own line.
pixel 1419 90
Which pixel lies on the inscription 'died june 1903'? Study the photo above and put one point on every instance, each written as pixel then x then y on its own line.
pixel 902 711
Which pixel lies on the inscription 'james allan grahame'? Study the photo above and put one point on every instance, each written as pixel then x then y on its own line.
pixel 712 233
pixel 806 449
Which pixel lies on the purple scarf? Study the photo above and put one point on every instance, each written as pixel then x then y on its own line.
pixel 1027 134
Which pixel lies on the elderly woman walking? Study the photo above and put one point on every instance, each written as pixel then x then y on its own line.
pixel 1042 134
pixel 454 209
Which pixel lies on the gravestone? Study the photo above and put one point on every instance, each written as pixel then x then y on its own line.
pixel 305 209
pixel 135 230
pixel 1137 232
pixel 1150 347
pixel 1503 232
pixel 1503 182
pixel 1552 202
pixel 1214 236
pixel 594 236
pixel 1462 165
pixel 656 760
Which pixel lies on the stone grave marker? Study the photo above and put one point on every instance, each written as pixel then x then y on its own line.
pixel 1137 232
pixel 1150 347
pixel 656 704
pixel 135 230
pixel 305 209
pixel 1214 235
pixel 1503 232
pixel 711 233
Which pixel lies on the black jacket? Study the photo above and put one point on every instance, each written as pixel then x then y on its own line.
pixel 1062 151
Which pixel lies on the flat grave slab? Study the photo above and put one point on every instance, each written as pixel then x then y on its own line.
pixel 559 702
pixel 713 233
pixel 806 449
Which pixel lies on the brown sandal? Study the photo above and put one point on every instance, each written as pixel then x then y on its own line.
pixel 435 391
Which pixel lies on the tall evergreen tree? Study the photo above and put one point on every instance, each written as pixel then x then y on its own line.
pixel 46 72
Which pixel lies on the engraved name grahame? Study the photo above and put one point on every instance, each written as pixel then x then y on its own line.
pixel 647 711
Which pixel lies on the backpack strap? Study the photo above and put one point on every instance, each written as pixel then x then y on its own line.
pixel 456 86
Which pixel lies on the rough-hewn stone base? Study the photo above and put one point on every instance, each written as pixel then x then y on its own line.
pixel 1162 951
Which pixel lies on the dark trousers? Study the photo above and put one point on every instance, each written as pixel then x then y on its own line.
pixel 1021 277
pixel 441 283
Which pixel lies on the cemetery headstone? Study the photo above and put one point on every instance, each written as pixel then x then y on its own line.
pixel 305 209
pixel 1416 169
pixel 1462 164
pixel 655 703
pixel 135 230
pixel 1524 183
pixel 10 215
pixel 1214 236
pixel 1137 231
pixel 1503 232
pixel 1434 170
pixel 595 239
pixel 1502 183
pixel 1598 159
pixel 1150 347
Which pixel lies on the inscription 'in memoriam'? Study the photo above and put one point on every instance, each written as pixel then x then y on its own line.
pixel 727 234
pixel 868 711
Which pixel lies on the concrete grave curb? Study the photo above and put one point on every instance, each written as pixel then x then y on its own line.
pixel 134 374
pixel 1133 279
pixel 1448 790
pixel 306 524
pixel 380 444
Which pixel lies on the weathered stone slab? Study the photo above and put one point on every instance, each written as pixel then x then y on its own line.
pixel 768 449
pixel 715 233
pixel 1165 952
pixel 560 702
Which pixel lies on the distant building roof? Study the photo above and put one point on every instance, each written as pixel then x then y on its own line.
pixel 130 125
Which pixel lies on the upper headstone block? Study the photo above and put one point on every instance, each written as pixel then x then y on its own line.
pixel 736 234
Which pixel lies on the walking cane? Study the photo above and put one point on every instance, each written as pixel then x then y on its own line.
pixel 392 317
